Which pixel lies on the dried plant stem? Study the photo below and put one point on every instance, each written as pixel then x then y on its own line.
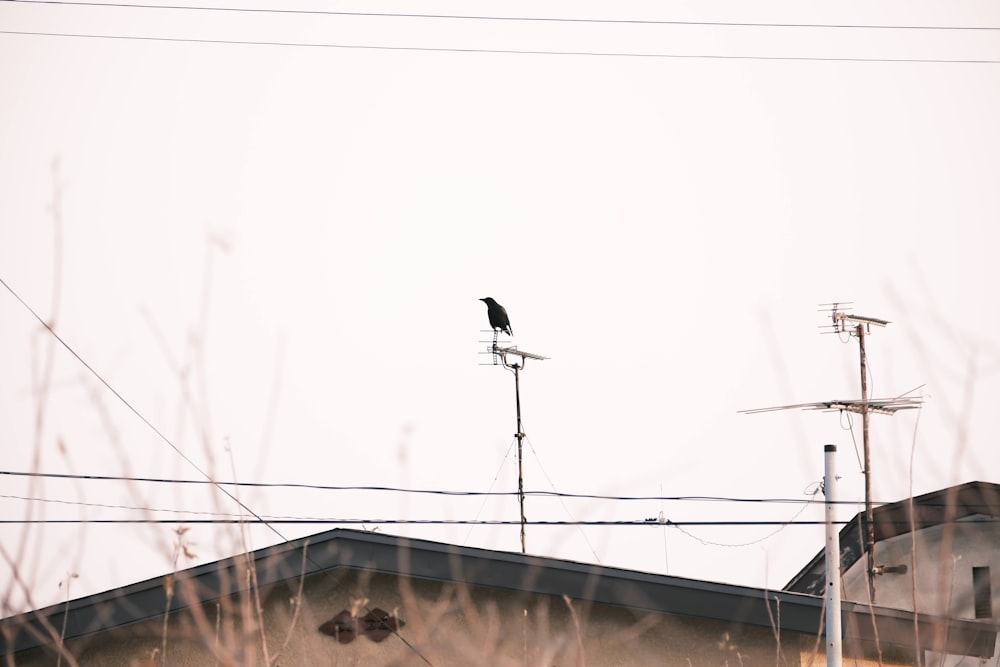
pixel 582 660
pixel 297 603
pixel 251 567
pixel 70 576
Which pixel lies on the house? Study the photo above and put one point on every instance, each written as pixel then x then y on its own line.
pixel 938 554
pixel 346 597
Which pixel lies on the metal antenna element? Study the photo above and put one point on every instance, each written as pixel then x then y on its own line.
pixel 859 327
pixel 492 348
pixel 499 321
pixel 517 366
pixel 833 309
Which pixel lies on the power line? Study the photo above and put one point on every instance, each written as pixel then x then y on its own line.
pixel 257 518
pixel 543 494
pixel 583 534
pixel 81 503
pixel 432 522
pixel 446 492
pixel 480 17
pixel 136 412
pixel 523 52
pixel 229 515
pixel 752 542
pixel 273 518
pixel 442 492
pixel 459 522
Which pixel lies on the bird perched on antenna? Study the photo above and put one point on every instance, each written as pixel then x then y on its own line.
pixel 498 316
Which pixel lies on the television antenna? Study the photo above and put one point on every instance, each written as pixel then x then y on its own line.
pixel 516 364
pixel 859 327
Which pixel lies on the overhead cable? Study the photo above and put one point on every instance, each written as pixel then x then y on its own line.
pixel 395 489
pixel 483 17
pixel 459 522
pixel 135 411
pixel 523 52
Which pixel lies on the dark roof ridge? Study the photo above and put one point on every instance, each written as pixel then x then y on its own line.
pixel 933 508
pixel 512 571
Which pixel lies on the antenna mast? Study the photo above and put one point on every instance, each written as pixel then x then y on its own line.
pixel 859 327
pixel 502 353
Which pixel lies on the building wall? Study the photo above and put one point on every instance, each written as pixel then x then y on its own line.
pixel 941 572
pixel 446 624
pixel 942 569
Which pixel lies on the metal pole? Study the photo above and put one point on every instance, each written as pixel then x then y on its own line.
pixel 869 517
pixel 834 637
pixel 520 437
pixel 503 352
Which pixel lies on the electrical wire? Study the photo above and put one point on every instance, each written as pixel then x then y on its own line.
pixel 477 522
pixel 441 492
pixel 871 377
pixel 435 522
pixel 758 540
pixel 444 492
pixel 523 52
pixel 135 411
pixel 854 440
pixel 538 460
pixel 257 519
pixel 80 503
pixel 226 515
pixel 663 522
pixel 490 489
pixel 480 17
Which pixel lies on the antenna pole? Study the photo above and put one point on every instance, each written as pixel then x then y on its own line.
pixel 502 353
pixel 856 325
pixel 520 438
pixel 859 326
pixel 865 416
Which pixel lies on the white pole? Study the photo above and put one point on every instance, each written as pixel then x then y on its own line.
pixel 834 644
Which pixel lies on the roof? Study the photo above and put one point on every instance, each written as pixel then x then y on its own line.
pixel 426 560
pixel 930 509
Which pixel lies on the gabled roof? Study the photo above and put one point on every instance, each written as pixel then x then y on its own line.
pixel 422 559
pixel 930 509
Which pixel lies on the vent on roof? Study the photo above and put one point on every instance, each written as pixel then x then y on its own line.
pixel 377 624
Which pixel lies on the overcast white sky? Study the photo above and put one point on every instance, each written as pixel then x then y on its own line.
pixel 275 255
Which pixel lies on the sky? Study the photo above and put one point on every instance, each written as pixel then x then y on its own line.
pixel 263 237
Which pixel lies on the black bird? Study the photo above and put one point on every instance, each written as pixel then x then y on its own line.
pixel 498 316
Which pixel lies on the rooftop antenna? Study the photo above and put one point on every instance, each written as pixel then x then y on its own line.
pixel 515 366
pixel 857 326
